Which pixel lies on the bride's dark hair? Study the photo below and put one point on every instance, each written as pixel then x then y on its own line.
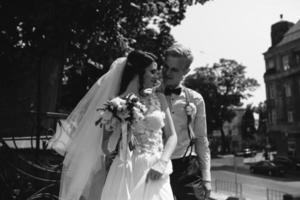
pixel 137 62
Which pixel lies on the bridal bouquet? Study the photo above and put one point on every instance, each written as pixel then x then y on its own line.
pixel 124 109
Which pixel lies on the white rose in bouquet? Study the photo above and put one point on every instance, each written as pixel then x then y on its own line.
pixel 118 103
pixel 191 110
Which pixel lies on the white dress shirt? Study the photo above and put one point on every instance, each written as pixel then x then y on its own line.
pixel 177 105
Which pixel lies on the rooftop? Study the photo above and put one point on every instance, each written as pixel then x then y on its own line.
pixel 292 35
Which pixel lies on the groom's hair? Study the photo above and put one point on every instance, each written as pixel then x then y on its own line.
pixel 137 62
pixel 180 51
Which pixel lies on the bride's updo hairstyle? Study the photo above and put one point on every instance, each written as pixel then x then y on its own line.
pixel 137 62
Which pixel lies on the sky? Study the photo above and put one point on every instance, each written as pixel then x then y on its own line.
pixel 235 29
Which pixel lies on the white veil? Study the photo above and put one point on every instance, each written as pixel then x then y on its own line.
pixel 83 168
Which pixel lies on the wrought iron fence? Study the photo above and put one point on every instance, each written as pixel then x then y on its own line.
pixel 30 173
pixel 274 194
pixel 229 187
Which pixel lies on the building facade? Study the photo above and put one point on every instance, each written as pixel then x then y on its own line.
pixel 282 80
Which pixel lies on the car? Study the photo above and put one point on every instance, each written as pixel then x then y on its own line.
pixel 246 152
pixel 287 162
pixel 268 167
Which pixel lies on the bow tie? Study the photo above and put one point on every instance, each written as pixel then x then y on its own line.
pixel 169 91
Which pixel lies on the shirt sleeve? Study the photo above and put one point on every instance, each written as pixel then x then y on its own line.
pixel 202 144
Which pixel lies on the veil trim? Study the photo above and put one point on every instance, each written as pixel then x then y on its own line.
pixel 84 159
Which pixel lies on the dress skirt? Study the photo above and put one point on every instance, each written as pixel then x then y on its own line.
pixel 126 180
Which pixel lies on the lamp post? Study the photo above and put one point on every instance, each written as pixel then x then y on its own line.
pixel 39 107
pixel 235 147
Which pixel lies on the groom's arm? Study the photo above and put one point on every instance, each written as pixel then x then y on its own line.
pixel 202 145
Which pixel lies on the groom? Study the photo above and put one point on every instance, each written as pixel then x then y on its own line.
pixel 177 64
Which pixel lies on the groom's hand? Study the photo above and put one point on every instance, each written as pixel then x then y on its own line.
pixel 207 187
pixel 153 175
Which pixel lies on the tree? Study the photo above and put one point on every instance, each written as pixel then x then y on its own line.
pixel 261 109
pixel 83 34
pixel 46 41
pixel 248 124
pixel 262 128
pixel 223 86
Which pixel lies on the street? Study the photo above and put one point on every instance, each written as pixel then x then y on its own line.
pixel 253 186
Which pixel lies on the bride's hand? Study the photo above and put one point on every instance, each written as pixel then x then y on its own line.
pixel 159 88
pixel 153 175
pixel 157 170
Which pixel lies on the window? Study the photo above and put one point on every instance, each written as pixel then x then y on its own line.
pixel 297 57
pixel 265 164
pixel 292 147
pixel 272 91
pixel 287 88
pixel 290 116
pixel 270 117
pixel 270 64
pixel 274 116
pixel 285 62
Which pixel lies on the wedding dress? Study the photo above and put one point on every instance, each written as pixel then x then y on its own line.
pixel 126 179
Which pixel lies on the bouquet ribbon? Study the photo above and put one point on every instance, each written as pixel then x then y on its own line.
pixel 124 153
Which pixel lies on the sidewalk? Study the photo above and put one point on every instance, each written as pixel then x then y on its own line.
pixel 222 196
pixel 218 195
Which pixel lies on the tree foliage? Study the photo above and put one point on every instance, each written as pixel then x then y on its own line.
pixel 223 86
pixel 85 36
pixel 248 124
pixel 90 30
pixel 261 109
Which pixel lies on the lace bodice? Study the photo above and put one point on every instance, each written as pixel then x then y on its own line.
pixel 148 132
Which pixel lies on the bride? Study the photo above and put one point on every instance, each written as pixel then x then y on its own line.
pixel 144 174
pixel 140 174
